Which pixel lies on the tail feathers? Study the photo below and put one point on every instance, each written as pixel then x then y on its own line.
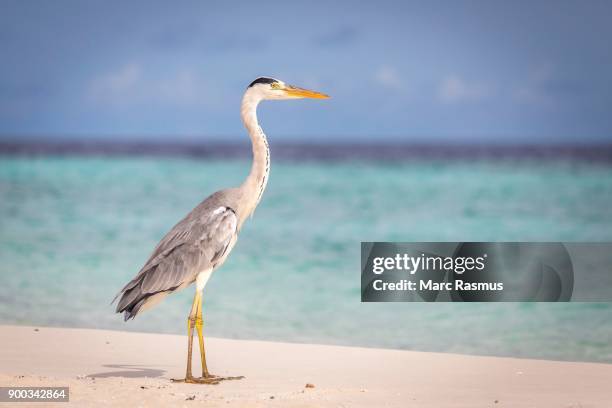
pixel 132 311
pixel 132 301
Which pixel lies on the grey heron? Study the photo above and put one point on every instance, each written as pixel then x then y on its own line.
pixel 200 243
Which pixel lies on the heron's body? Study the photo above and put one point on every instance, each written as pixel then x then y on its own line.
pixel 201 242
pixel 191 251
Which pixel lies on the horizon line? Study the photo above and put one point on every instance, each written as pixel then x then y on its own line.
pixel 305 150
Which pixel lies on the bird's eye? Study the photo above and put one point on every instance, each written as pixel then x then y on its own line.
pixel 275 85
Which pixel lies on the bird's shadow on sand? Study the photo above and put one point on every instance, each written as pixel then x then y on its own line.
pixel 130 371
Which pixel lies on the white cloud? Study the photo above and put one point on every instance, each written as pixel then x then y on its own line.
pixel 389 77
pixel 531 94
pixel 131 84
pixel 118 84
pixel 454 89
pixel 533 89
pixel 183 87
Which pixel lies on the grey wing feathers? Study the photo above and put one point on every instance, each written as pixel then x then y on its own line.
pixel 196 243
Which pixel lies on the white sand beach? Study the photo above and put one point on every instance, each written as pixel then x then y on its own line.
pixel 110 368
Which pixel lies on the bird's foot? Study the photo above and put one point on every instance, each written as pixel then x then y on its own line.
pixel 210 379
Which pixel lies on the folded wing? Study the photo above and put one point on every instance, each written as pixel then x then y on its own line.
pixel 198 242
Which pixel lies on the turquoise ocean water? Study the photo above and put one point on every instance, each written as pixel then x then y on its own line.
pixel 74 229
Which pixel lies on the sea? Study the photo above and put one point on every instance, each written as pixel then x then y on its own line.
pixel 77 221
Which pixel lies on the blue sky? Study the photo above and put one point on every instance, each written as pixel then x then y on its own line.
pixel 437 71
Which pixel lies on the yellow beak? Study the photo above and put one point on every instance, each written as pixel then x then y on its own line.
pixel 296 92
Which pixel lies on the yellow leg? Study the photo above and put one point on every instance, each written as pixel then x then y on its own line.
pixel 191 320
pixel 195 320
pixel 199 323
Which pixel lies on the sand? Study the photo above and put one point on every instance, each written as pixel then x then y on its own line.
pixel 110 368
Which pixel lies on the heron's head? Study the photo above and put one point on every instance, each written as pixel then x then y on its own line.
pixel 270 88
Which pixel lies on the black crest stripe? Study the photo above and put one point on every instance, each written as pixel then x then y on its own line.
pixel 262 80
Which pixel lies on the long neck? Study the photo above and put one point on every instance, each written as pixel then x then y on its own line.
pixel 255 184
